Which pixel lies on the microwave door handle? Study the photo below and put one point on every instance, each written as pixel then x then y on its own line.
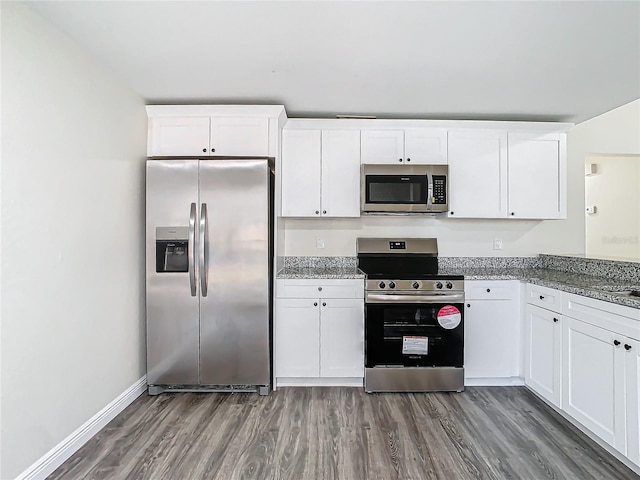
pixel 429 191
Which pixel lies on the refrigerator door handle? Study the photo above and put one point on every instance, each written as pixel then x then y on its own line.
pixel 203 249
pixel 190 249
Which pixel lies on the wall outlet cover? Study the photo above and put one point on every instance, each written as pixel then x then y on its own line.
pixel 497 244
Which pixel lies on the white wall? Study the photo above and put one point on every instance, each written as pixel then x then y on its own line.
pixel 73 148
pixel 613 132
pixel 614 191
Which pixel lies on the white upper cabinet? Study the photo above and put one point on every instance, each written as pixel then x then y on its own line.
pixel 241 136
pixel 537 175
pixel 495 174
pixel 320 173
pixel 170 137
pixel 412 145
pixel 301 172
pixel 214 130
pixel 477 174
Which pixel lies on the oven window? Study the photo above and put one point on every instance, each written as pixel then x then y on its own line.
pixel 410 335
pixel 401 189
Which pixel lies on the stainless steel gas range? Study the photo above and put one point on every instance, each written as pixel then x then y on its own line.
pixel 414 317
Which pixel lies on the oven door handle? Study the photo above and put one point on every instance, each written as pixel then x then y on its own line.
pixel 421 298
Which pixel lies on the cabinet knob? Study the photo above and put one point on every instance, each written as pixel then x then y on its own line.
pixel 315 304
pixel 213 149
pixel 555 320
pixel 488 290
pixel 204 150
pixel 317 212
pixel 408 159
pixel 324 304
pixel 400 160
pixel 324 211
pixel 616 342
pixel 319 289
pixel 451 213
pixel 541 297
pixel 513 213
pixel 627 347
pixel 468 305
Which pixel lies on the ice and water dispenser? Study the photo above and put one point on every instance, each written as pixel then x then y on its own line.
pixel 172 249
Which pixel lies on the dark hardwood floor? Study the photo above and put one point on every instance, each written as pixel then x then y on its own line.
pixel 342 434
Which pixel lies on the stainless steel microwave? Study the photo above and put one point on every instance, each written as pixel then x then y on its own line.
pixel 404 189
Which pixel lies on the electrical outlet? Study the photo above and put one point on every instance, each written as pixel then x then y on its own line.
pixel 319 243
pixel 497 244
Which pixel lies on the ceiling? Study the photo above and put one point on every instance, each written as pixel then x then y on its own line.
pixel 539 61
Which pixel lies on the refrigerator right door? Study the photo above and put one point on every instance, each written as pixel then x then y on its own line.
pixel 172 291
pixel 234 283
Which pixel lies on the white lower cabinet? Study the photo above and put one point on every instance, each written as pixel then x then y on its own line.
pixel 319 341
pixel 543 352
pixel 594 380
pixel 492 331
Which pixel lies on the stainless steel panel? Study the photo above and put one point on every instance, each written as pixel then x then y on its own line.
pixel 172 313
pixel 414 379
pixel 234 317
pixel 417 297
pixel 407 285
pixel 382 245
pixel 172 233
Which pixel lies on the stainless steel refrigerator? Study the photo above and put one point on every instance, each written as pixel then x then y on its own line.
pixel 208 272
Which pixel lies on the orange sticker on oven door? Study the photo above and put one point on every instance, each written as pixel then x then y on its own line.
pixel 449 317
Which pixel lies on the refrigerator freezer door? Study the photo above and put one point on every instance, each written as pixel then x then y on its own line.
pixel 172 312
pixel 234 316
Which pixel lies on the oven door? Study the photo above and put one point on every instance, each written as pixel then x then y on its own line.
pixel 403 333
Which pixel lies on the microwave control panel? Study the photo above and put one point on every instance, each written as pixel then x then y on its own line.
pixel 439 190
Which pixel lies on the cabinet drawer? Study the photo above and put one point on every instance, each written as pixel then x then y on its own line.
pixel 319 288
pixel 544 297
pixel 489 290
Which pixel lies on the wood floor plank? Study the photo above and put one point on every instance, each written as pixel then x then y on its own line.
pixel 340 433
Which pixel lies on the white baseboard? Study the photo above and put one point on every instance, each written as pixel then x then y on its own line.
pixel 494 382
pixel 55 457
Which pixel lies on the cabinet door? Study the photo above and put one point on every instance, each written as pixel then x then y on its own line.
pixel 477 174
pixel 593 380
pixel 239 136
pixel 297 338
pixel 491 339
pixel 537 176
pixel 632 384
pixel 543 342
pixel 340 190
pixel 342 338
pixel 426 146
pixel 382 146
pixel 301 173
pixel 175 137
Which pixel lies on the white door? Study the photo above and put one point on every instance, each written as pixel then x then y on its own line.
pixel 179 137
pixel 297 338
pixel 382 146
pixel 632 384
pixel 340 189
pixel 425 146
pixel 490 339
pixel 593 380
pixel 240 136
pixel 543 337
pixel 301 173
pixel 477 174
pixel 342 338
pixel 536 175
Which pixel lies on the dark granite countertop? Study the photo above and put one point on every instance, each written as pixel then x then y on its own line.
pixel 586 285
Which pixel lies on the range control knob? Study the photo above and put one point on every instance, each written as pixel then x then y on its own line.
pixel 415 285
pixel 438 284
pixel 449 285
pixel 381 285
pixel 392 285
